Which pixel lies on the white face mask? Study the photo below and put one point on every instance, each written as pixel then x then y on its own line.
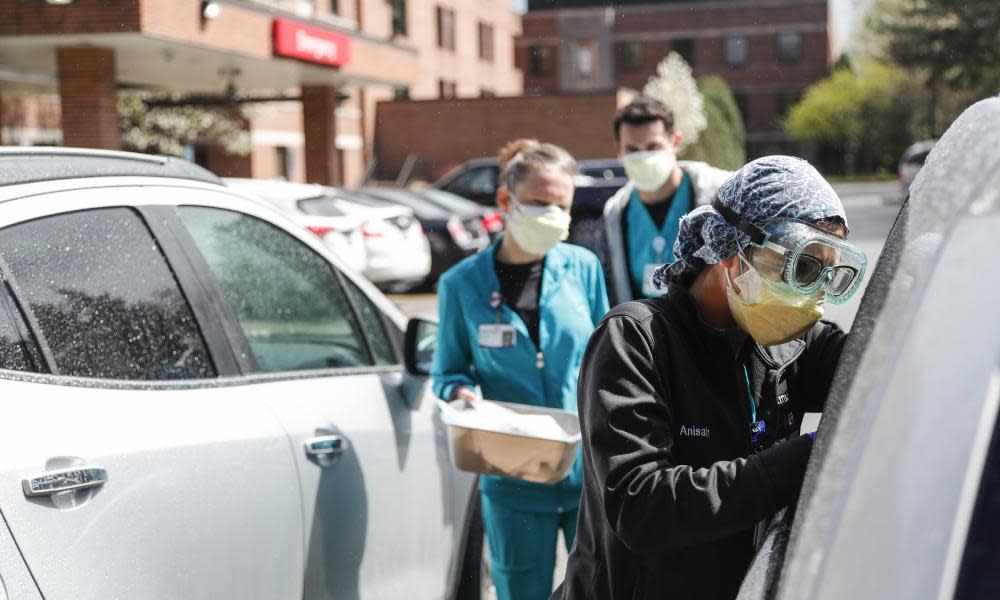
pixel 536 229
pixel 650 170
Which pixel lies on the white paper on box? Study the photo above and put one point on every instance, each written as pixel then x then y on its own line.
pixel 487 416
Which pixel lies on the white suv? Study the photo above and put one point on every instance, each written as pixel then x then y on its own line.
pixel 200 402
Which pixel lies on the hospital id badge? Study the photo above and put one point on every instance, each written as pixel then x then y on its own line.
pixel 648 289
pixel 497 335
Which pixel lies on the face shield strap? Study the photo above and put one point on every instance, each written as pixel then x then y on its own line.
pixel 757 235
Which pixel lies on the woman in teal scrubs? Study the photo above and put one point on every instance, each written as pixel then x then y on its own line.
pixel 514 321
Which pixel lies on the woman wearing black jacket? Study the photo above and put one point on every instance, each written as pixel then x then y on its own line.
pixel 690 403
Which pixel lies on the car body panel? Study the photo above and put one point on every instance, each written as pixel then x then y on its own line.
pixel 887 500
pixel 186 475
pixel 223 453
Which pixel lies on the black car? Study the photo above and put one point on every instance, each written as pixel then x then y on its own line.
pixel 475 180
pixel 453 234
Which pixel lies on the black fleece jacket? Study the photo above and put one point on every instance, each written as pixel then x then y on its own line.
pixel 673 489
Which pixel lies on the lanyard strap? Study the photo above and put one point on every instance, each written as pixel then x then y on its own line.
pixel 753 404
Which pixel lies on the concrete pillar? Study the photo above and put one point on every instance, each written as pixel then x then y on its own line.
pixel 89 95
pixel 319 121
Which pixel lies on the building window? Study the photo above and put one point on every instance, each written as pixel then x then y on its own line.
pixel 446 28
pixel 736 49
pixel 630 56
pixel 540 60
pixel 398 17
pixel 401 93
pixel 486 41
pixel 784 101
pixel 789 47
pixel 446 89
pixel 585 56
pixel 285 162
pixel 685 48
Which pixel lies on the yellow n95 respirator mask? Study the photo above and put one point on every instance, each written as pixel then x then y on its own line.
pixel 536 229
pixel 767 311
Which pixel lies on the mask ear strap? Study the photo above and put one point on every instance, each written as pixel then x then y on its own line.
pixel 757 235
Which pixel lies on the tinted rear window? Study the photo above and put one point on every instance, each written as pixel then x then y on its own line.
pixel 104 298
pixel 320 207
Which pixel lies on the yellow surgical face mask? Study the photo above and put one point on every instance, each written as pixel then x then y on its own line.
pixel 770 314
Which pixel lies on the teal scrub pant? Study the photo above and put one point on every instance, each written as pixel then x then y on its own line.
pixel 523 549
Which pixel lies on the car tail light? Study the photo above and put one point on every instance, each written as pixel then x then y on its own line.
pixel 493 222
pixel 371 230
pixel 457 231
pixel 321 231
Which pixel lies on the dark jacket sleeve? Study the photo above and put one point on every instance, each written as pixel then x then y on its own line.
pixel 818 363
pixel 652 503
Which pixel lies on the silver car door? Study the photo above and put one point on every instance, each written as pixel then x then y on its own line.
pixel 376 492
pixel 132 470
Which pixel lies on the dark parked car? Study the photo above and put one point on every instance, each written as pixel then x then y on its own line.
pixel 491 219
pixel 452 235
pixel 476 180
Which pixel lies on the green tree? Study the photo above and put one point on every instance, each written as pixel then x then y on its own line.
pixel 723 142
pixel 951 45
pixel 862 117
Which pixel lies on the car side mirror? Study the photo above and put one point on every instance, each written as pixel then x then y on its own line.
pixel 419 345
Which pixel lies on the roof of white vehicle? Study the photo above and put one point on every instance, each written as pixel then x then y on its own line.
pixel 20 165
pixel 277 188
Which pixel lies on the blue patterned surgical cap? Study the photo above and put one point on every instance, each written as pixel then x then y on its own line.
pixel 765 190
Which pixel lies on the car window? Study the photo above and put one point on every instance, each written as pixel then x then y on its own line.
pixel 478 181
pixel 14 336
pixel 374 326
pixel 320 207
pixel 287 298
pixel 104 298
pixel 978 576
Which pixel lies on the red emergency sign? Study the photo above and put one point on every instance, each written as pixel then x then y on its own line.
pixel 312 44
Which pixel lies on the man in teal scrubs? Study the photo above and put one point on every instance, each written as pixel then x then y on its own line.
pixel 641 220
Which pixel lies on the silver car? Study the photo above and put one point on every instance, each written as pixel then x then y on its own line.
pixel 902 496
pixel 382 240
pixel 201 402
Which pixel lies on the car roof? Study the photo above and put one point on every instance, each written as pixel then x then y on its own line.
pixel 422 207
pixel 452 202
pixel 21 165
pixel 918 147
pixel 277 188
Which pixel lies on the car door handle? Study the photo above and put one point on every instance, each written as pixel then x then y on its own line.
pixel 64 480
pixel 326 445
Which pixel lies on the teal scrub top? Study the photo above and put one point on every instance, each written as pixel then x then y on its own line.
pixel 573 301
pixel 648 244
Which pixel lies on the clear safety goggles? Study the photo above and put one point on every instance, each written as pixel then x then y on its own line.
pixel 803 256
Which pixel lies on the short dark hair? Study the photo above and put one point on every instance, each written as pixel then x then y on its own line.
pixel 642 110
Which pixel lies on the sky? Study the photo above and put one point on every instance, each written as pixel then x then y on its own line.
pixel 843 15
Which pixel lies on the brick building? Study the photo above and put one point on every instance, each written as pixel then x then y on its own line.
pixel 768 51
pixel 323 64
